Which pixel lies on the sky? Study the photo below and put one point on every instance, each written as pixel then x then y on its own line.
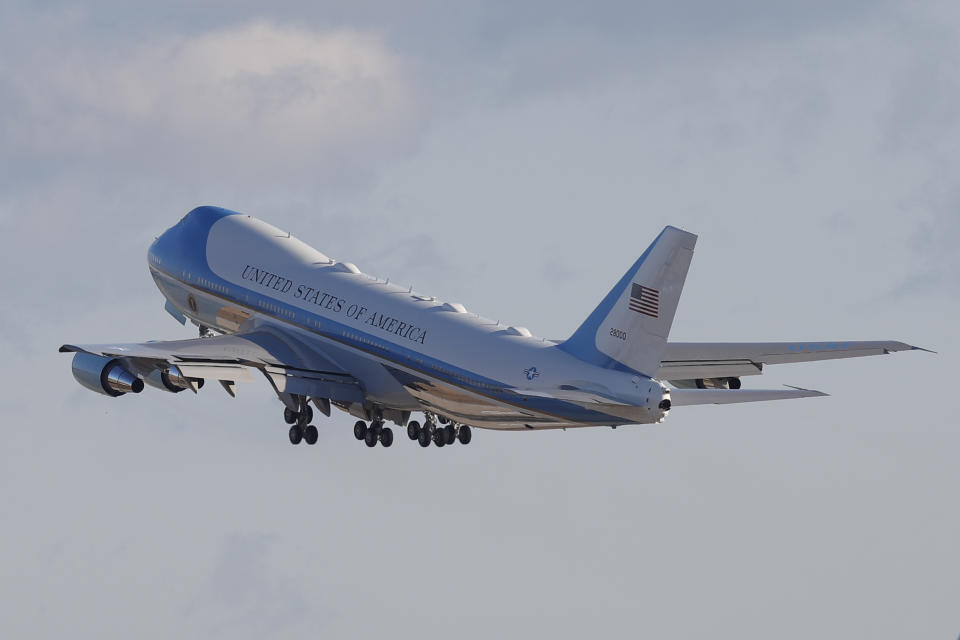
pixel 516 158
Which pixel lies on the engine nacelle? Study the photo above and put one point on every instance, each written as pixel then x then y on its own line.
pixel 717 383
pixel 104 375
pixel 707 383
pixel 172 380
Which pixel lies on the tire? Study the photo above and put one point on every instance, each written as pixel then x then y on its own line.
pixel 413 430
pixel 439 438
pixel 370 438
pixel 450 433
pixel 310 434
pixel 296 434
pixel 386 436
pixel 360 430
pixel 424 438
pixel 464 436
pixel 289 415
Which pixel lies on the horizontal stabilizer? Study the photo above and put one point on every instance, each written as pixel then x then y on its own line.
pixel 688 397
pixel 691 360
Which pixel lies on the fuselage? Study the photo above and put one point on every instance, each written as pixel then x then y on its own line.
pixel 235 273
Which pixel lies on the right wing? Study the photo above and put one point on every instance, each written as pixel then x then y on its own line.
pixel 697 360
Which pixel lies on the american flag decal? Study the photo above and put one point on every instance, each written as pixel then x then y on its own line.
pixel 645 300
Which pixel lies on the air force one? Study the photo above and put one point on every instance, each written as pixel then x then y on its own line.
pixel 324 333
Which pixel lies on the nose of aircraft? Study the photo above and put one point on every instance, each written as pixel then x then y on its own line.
pixel 183 246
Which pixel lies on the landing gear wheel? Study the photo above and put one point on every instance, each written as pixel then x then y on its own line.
pixel 386 436
pixel 310 434
pixel 439 437
pixel 424 438
pixel 443 419
pixel 413 430
pixel 450 433
pixel 296 434
pixel 464 436
pixel 360 430
pixel 289 415
pixel 371 438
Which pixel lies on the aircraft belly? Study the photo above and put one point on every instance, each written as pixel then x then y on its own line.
pixel 475 409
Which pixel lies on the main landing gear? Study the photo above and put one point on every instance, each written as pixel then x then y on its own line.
pixel 439 435
pixel 373 434
pixel 300 428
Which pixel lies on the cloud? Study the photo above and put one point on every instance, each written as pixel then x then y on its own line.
pixel 247 596
pixel 257 100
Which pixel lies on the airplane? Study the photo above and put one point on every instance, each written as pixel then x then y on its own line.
pixel 326 335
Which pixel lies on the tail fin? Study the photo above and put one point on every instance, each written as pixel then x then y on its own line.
pixel 630 327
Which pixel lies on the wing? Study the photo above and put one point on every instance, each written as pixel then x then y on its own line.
pixel 291 366
pixel 698 360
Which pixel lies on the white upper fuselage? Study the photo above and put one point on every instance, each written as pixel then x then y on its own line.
pixel 412 352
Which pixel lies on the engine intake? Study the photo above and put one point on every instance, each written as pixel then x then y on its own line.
pixel 104 375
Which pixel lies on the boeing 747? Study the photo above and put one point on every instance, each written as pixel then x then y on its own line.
pixel 325 335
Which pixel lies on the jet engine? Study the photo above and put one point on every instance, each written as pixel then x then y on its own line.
pixel 104 375
pixel 172 380
pixel 707 383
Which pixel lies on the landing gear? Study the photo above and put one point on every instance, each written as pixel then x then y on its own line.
pixel 300 428
pixel 413 430
pixel 360 430
pixel 296 434
pixel 441 436
pixel 424 438
pixel 386 436
pixel 305 415
pixel 424 434
pixel 373 434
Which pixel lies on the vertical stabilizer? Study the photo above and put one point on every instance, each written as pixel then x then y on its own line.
pixel 630 327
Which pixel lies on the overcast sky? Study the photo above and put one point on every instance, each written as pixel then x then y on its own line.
pixel 516 159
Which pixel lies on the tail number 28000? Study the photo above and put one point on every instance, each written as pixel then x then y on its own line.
pixel 619 334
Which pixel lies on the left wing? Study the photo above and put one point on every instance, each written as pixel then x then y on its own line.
pixel 291 366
